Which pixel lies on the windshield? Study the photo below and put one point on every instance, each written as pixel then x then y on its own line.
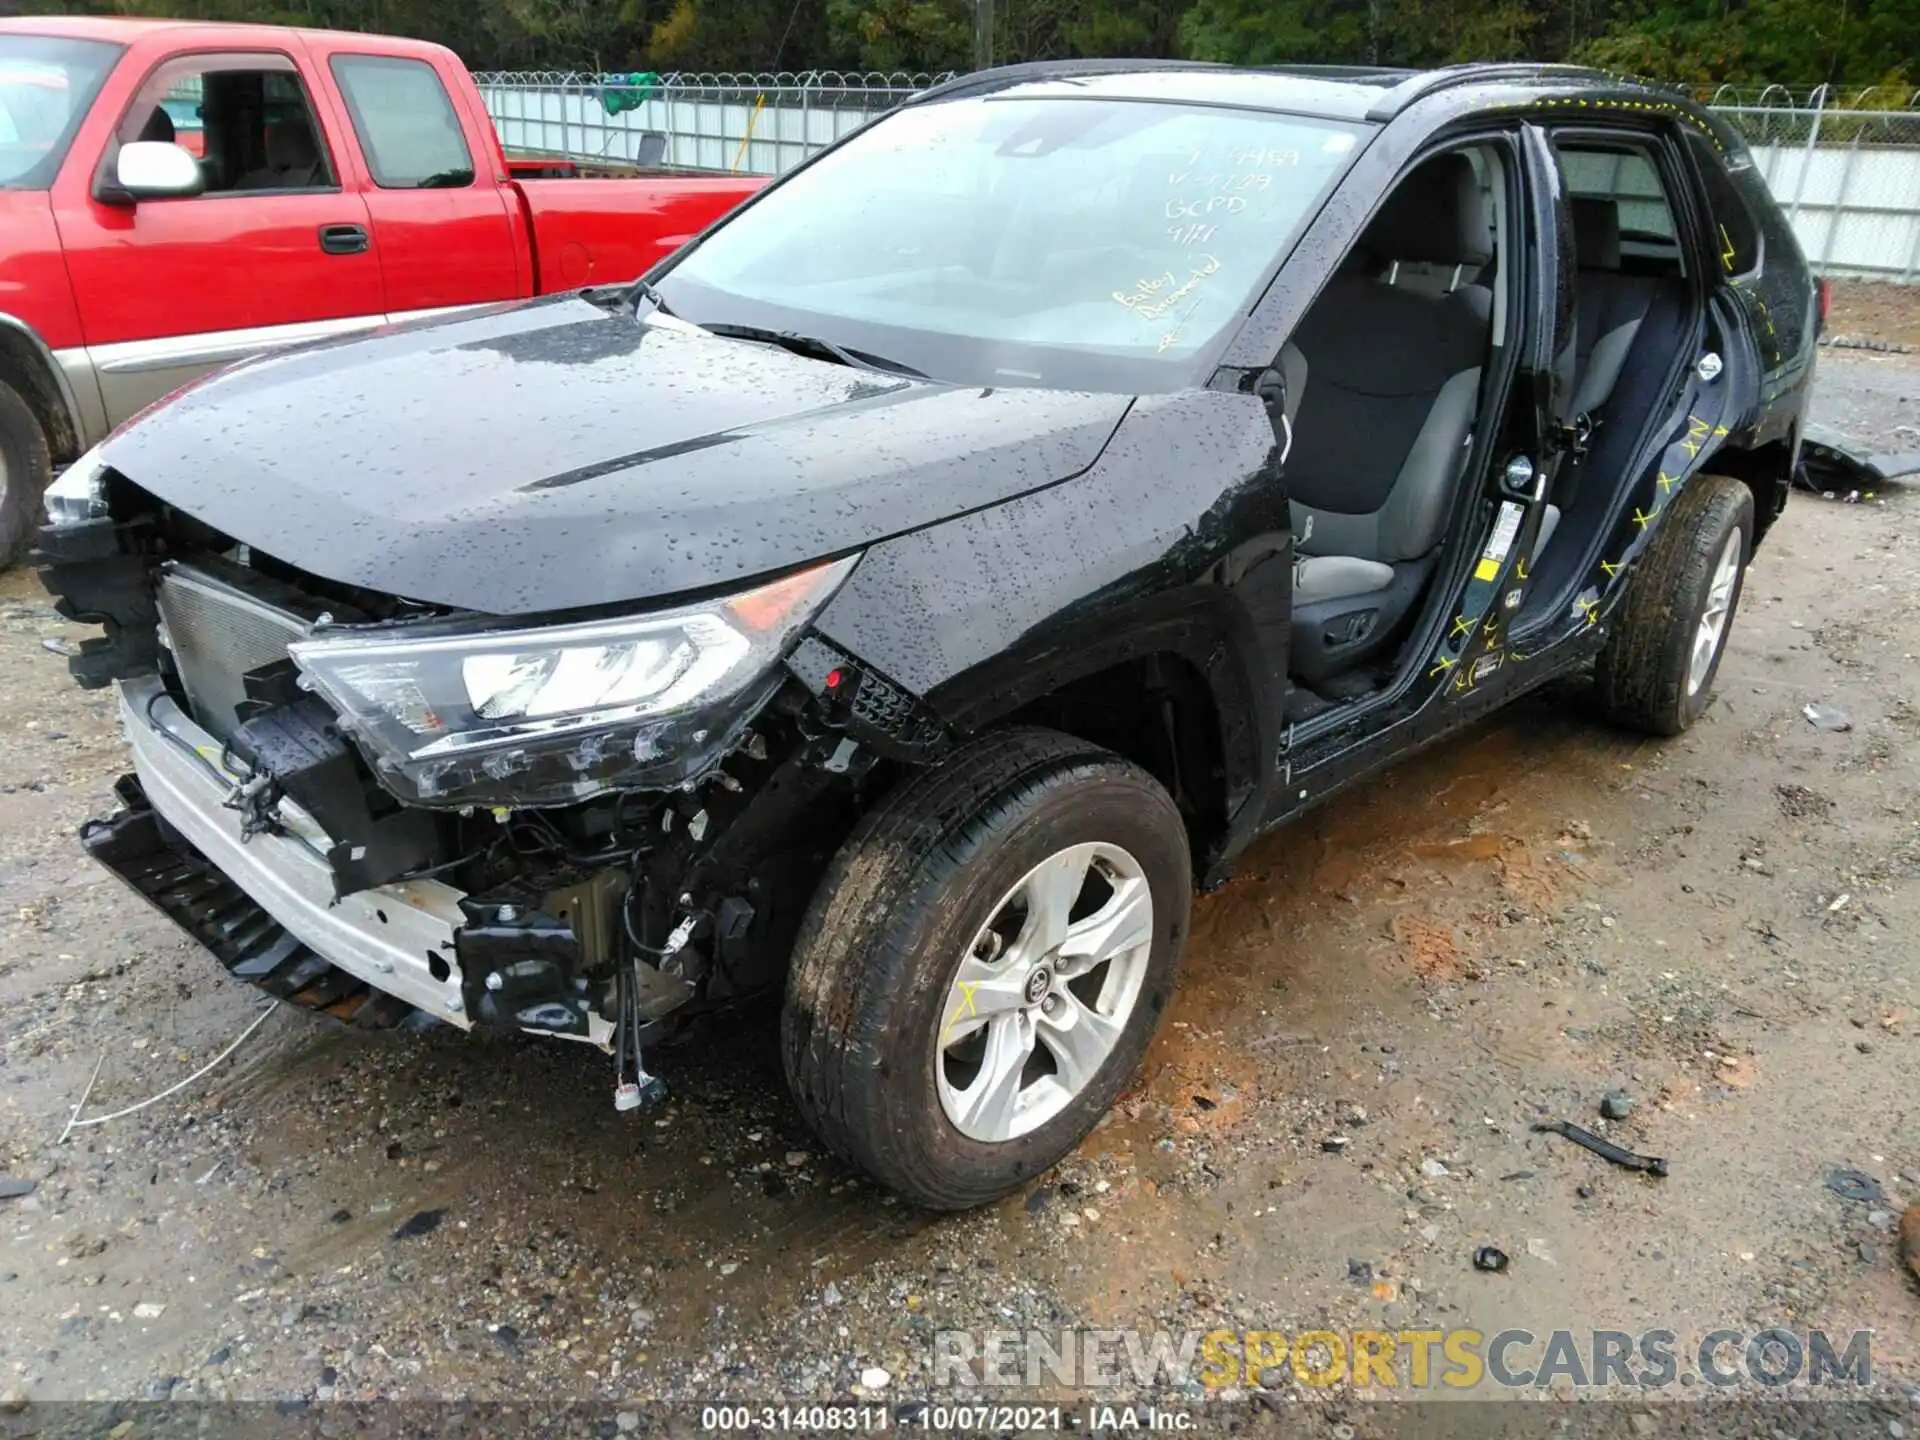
pixel 1076 243
pixel 46 84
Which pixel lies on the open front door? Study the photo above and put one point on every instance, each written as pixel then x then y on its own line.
pixel 1537 431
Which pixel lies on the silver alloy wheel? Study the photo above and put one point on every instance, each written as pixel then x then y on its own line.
pixel 3 481
pixel 1713 621
pixel 1044 992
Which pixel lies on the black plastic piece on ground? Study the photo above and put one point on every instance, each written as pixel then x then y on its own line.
pixel 1605 1149
pixel 1856 1186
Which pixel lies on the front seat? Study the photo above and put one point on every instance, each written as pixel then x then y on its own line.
pixel 292 161
pixel 1392 380
pixel 159 126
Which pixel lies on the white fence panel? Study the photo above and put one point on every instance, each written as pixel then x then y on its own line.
pixel 1855 208
pixel 707 122
pixel 1848 179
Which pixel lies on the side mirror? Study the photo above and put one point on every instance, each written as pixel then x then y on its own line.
pixel 157 170
pixel 1271 387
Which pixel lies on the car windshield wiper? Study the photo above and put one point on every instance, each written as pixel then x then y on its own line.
pixel 813 345
pixel 646 290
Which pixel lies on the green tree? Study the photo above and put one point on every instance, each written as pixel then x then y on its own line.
pixel 900 34
pixel 740 35
pixel 1789 42
pixel 1799 43
pixel 1278 32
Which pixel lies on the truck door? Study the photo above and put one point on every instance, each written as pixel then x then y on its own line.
pixel 446 234
pixel 274 251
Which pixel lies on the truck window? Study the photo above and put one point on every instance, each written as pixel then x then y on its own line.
pixel 246 118
pixel 46 85
pixel 405 121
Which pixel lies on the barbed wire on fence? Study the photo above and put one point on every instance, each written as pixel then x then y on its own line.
pixel 1819 97
pixel 903 82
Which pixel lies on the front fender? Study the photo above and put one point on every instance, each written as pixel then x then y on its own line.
pixel 1142 554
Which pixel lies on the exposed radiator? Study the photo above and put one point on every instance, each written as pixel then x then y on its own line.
pixel 217 634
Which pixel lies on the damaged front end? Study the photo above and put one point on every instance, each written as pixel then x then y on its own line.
pixel 590 828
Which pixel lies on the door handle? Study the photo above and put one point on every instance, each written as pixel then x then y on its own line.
pixel 344 239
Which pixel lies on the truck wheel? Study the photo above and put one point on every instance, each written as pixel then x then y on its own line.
pixel 984 964
pixel 1655 672
pixel 25 469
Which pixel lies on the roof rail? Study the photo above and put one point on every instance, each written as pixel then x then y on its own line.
pixel 981 81
pixel 1429 82
pixel 1379 74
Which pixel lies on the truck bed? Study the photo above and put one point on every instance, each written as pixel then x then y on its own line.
pixel 603 231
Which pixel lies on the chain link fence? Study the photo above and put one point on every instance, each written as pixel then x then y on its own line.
pixel 1843 163
pixel 756 124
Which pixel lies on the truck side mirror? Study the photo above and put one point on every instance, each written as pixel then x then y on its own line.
pixel 155 170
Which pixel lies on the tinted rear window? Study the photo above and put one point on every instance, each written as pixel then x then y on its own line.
pixel 405 121
pixel 1736 236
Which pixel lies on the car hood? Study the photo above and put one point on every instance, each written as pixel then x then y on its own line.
pixel 556 455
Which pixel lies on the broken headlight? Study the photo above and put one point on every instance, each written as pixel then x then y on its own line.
pixel 452 715
pixel 80 493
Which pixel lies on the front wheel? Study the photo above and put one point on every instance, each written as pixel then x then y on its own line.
pixel 984 965
pixel 1656 670
pixel 24 473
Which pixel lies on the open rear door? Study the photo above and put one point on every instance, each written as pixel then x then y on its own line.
pixel 1537 430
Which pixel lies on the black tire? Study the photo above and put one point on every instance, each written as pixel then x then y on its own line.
pixel 1642 677
pixel 883 940
pixel 25 470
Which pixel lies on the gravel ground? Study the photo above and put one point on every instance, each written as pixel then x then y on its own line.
pixel 1725 928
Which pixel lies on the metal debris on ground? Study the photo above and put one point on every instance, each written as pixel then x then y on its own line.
pixel 1490 1258
pixel 1825 717
pixel 1853 1185
pixel 1605 1149
pixel 13 1187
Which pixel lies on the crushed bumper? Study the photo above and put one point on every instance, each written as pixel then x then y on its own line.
pixel 265 907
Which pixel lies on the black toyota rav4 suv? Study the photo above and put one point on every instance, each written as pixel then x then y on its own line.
pixel 909 591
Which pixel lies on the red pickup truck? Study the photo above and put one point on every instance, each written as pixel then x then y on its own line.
pixel 175 196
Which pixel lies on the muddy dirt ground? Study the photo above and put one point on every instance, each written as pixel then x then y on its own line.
pixel 1725 927
pixel 1876 314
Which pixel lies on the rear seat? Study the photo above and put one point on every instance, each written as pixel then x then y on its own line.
pixel 1610 305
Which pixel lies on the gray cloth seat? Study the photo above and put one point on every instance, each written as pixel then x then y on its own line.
pixel 1609 308
pixel 1609 304
pixel 1391 389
